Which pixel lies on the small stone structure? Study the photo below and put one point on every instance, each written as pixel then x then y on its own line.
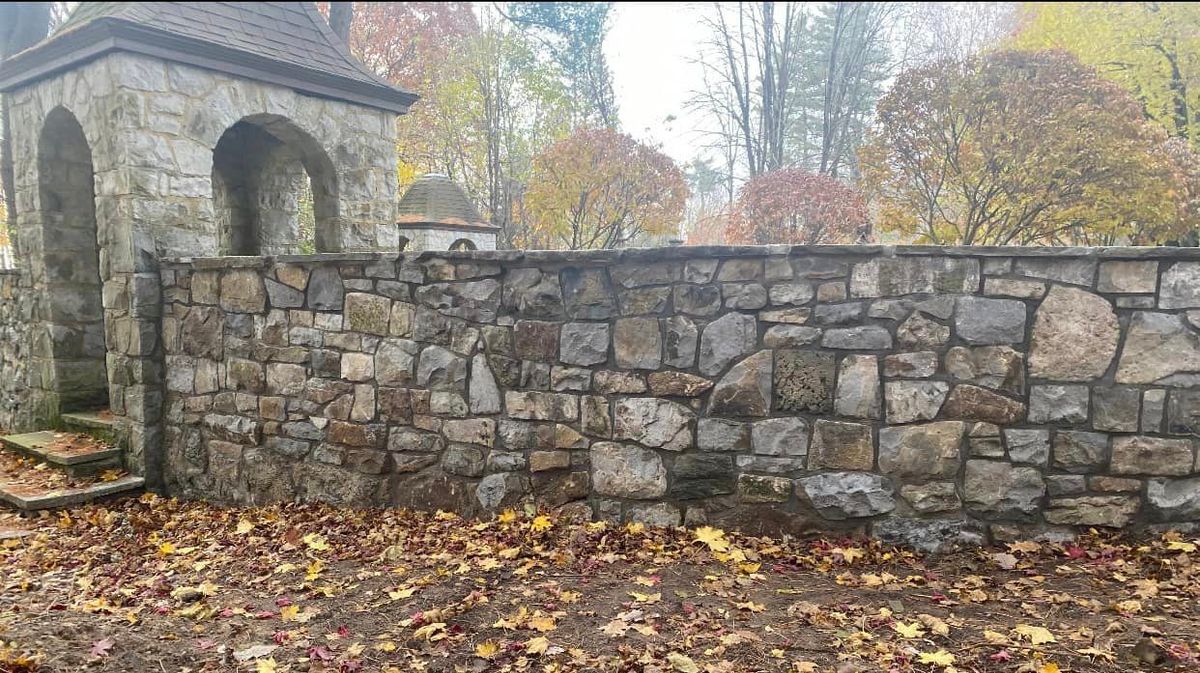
pixel 928 395
pixel 144 130
pixel 435 214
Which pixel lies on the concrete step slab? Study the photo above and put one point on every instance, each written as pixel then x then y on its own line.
pixel 76 454
pixel 32 497
pixel 84 421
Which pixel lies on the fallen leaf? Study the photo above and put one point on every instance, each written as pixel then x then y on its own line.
pixel 682 663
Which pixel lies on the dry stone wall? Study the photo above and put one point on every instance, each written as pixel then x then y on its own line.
pixel 923 395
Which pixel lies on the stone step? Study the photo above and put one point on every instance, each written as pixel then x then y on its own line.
pixel 76 454
pixel 31 497
pixel 85 421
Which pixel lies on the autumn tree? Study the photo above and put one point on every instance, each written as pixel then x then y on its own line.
pixel 709 206
pixel 599 188
pixel 572 35
pixel 1152 49
pixel 1019 148
pixel 792 205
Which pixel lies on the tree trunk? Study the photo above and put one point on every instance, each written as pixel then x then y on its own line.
pixel 341 15
pixel 22 25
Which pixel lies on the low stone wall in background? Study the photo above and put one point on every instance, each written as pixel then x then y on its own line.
pixel 925 395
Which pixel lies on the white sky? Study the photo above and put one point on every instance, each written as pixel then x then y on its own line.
pixel 650 48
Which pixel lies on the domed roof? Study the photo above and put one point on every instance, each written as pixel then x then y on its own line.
pixel 436 199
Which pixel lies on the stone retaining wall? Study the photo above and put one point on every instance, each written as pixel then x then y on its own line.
pixel 921 394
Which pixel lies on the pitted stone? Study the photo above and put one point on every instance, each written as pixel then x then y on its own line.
pixel 804 381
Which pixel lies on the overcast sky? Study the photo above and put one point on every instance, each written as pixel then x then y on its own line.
pixel 650 48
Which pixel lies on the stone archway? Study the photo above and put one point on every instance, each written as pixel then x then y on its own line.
pixel 74 373
pixel 275 190
pixel 463 244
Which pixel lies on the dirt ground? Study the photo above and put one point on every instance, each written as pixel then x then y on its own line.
pixel 157 585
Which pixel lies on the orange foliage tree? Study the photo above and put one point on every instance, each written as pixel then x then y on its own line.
pixel 792 205
pixel 600 188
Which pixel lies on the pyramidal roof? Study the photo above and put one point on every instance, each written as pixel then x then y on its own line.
pixel 436 200
pixel 285 43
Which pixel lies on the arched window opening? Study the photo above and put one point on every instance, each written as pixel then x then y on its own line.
pixel 404 241
pixel 463 244
pixel 274 190
pixel 72 255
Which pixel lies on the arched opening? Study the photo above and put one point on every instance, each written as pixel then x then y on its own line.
pixel 274 190
pixel 404 241
pixel 71 255
pixel 463 244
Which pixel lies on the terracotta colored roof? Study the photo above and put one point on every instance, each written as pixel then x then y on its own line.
pixel 287 43
pixel 436 199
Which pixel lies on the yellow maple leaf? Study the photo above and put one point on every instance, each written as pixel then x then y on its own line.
pixel 751 606
pixel 646 598
pixel 166 549
pixel 316 542
pixel 939 658
pixel 682 663
pixel 386 646
pixel 713 537
pixel 1178 545
pixel 507 516
pixel 541 523
pixel 537 645
pixel 912 630
pixel 1128 607
pixel 400 594
pixel 1048 667
pixel 543 624
pixel 431 632
pixel 488 648
pixel 1036 635
pixel 244 526
pixel 265 665
pixel 288 612
pixel 995 638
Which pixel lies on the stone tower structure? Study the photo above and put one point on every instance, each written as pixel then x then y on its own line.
pixel 436 214
pixel 150 130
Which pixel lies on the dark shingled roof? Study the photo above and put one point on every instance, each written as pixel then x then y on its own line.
pixel 435 199
pixel 287 43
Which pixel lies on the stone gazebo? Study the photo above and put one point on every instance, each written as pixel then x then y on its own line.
pixel 150 130
pixel 436 214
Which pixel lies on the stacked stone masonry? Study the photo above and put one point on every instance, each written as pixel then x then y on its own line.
pixel 923 395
